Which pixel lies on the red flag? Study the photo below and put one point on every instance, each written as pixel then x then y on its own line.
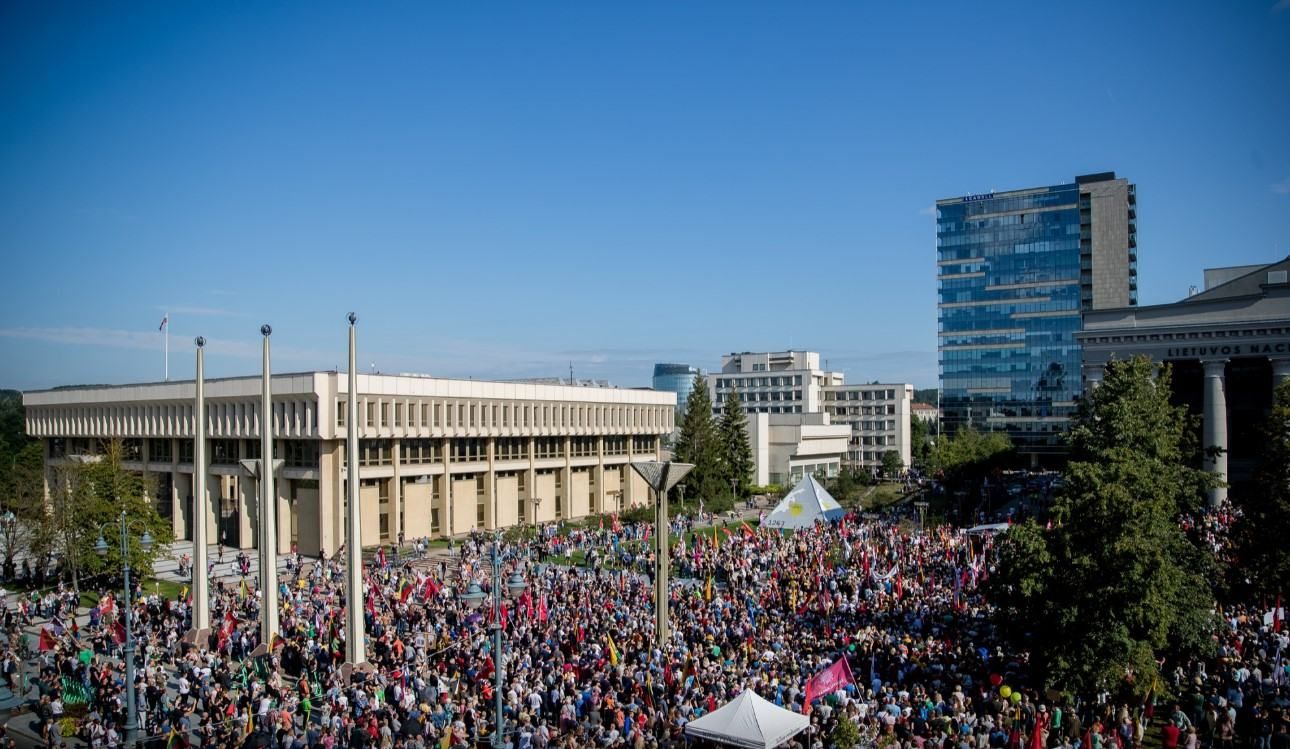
pixel 1277 615
pixel 747 530
pixel 503 616
pixel 827 682
pixel 542 609
pixel 406 592
pixel 727 532
pixel 430 590
pixel 47 641
pixel 648 528
pixel 118 633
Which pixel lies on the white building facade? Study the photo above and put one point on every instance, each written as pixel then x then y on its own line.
pixel 437 457
pixel 777 382
pixel 878 415
pixel 787 447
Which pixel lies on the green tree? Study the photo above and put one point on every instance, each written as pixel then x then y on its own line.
pixel 736 450
pixel 86 502
pixel 1265 523
pixel 968 456
pixel 891 464
pixel 920 443
pixel 699 443
pixel 1114 585
pixel 22 493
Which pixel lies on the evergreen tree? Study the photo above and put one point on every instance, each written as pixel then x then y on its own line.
pixel 736 452
pixel 699 443
pixel 1264 527
pixel 1114 585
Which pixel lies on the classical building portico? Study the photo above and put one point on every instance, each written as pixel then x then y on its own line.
pixel 1236 330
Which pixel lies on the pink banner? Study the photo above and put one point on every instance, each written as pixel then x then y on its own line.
pixel 828 681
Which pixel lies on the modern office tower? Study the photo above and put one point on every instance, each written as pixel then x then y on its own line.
pixel 676 378
pixel 1016 270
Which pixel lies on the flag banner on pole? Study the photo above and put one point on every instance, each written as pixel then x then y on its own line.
pixel 164 321
pixel 827 681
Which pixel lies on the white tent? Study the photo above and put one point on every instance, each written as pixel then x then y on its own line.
pixel 748 721
pixel 804 505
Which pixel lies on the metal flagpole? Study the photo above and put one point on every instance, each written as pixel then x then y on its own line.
pixel 354 635
pixel 268 508
pixel 201 590
pixel 165 327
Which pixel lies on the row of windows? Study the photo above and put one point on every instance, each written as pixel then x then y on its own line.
pixel 884 425
pixel 887 410
pixel 377 452
pixel 235 419
pixel 866 456
pixel 771 397
pixel 725 383
pixel 860 395
pixel 421 415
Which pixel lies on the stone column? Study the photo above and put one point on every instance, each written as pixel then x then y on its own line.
pixel 1280 370
pixel 1214 438
pixel 396 490
pixel 490 484
pixel 1093 374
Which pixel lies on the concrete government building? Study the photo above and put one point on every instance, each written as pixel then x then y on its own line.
pixel 437 457
pixel 1228 347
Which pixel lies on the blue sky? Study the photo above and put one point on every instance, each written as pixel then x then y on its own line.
pixel 501 188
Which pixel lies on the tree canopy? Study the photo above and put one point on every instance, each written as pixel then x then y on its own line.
pixel 1114 585
pixel 86 501
pixel 968 455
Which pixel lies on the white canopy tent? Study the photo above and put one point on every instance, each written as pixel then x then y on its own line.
pixel 800 508
pixel 748 721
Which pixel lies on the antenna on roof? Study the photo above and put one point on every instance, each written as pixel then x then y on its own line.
pixel 570 373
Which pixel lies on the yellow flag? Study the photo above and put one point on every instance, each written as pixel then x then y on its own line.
pixel 707 590
pixel 183 593
pixel 613 651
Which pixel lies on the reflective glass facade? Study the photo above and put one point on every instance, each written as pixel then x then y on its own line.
pixel 1008 269
pixel 675 378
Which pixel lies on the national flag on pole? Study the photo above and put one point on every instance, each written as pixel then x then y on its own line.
pixel 1278 614
pixel 164 321
pixel 613 651
pixel 118 633
pixel 47 641
pixel 747 530
pixel 827 682
pixel 707 589
pixel 542 609
pixel 405 592
pixel 246 591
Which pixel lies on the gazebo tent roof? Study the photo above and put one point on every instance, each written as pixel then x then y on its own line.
pixel 801 507
pixel 748 721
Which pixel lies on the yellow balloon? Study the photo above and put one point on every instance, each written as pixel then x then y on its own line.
pixel 1005 691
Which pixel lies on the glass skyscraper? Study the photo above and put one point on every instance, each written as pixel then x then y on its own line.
pixel 676 378
pixel 1015 270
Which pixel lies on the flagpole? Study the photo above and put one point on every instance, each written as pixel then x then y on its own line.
pixel 166 320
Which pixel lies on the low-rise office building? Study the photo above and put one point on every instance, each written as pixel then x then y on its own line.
pixel 774 382
pixel 437 457
pixel 787 447
pixel 878 415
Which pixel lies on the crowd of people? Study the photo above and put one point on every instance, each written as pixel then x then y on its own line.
pixel 750 609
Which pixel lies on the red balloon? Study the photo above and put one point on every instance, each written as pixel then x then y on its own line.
pixel 995 680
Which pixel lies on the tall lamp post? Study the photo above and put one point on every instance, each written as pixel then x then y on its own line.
pixel 473 597
pixel 661 477
pixel 101 547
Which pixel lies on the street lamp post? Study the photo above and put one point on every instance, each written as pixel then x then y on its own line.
pixel 474 596
pixel 145 542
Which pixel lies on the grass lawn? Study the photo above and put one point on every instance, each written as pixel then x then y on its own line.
pixel 882 496
pixel 165 588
